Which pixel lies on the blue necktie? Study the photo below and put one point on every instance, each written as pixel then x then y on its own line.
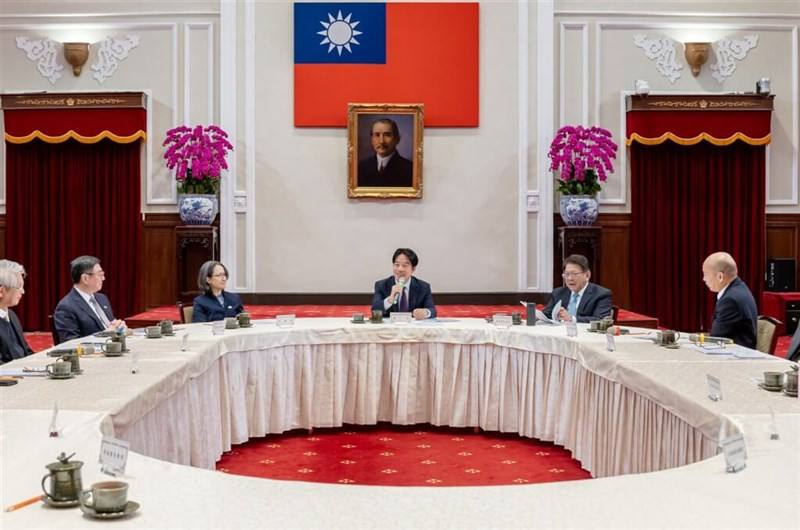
pixel 404 302
pixel 572 308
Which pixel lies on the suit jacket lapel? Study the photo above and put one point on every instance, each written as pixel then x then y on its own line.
pixel 585 298
pixel 84 305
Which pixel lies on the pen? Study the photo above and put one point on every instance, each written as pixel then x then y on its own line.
pixel 24 503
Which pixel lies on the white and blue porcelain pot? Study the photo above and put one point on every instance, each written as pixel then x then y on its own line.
pixel 198 209
pixel 578 210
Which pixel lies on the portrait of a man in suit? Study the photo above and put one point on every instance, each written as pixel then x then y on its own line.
pixel 385 150
pixel 386 167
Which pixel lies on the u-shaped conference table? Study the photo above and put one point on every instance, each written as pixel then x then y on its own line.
pixel 623 414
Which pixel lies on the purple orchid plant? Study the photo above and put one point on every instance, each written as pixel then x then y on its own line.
pixel 582 156
pixel 197 154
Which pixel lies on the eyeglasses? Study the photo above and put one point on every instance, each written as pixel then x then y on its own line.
pixel 221 275
pixel 100 274
pixel 572 274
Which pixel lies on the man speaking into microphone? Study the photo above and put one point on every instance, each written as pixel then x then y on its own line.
pixel 403 292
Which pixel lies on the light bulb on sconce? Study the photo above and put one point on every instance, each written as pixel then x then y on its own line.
pixel 76 54
pixel 696 54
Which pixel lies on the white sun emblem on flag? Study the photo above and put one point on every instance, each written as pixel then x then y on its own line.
pixel 339 32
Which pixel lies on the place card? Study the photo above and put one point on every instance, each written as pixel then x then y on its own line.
pixel 135 362
pixel 218 327
pixel 185 342
pixel 610 342
pixel 54 422
pixel 572 328
pixel 502 321
pixel 113 456
pixel 714 388
pixel 285 321
pixel 401 318
pixel 735 453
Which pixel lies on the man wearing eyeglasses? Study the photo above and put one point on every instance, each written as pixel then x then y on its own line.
pixel 84 310
pixel 581 300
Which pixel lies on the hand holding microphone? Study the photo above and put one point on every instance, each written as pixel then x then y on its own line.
pixel 398 288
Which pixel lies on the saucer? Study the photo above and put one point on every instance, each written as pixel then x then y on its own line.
pixel 60 504
pixel 358 321
pixel 149 337
pixel 129 509
pixel 777 388
pixel 790 394
pixel 65 376
pixel 167 334
pixel 112 354
pixel 246 325
pixel 673 346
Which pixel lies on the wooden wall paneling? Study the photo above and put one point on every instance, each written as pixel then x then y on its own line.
pixel 159 263
pixel 783 239
pixel 614 264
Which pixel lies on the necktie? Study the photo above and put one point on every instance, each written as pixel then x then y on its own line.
pixel 572 308
pixel 381 167
pixel 99 310
pixel 404 301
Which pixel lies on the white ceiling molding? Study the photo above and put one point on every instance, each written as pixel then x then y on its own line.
pixel 44 53
pixel 112 51
pixel 728 52
pixel 662 50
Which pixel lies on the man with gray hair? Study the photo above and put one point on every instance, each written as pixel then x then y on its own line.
pixel 12 287
pixel 735 313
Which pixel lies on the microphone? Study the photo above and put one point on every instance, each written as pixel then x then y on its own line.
pixel 402 283
pixel 701 337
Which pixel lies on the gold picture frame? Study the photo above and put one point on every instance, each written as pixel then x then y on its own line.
pixel 383 161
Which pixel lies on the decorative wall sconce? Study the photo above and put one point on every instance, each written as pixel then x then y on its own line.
pixel 111 51
pixel 696 54
pixel 76 54
pixel 728 51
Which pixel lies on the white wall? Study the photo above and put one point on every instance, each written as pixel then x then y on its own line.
pixel 484 222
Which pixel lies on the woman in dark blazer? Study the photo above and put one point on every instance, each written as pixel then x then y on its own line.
pixel 215 303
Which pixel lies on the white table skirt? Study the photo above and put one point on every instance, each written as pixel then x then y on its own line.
pixel 640 408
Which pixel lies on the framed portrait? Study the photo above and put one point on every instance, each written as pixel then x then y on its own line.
pixel 384 150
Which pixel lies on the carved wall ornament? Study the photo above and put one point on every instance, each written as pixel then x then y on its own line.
pixel 111 52
pixel 662 50
pixel 728 52
pixel 44 52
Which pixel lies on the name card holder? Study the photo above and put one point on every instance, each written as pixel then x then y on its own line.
pixel 714 388
pixel 218 327
pixel 113 456
pixel 735 453
pixel 610 342
pixel 400 318
pixel 285 321
pixel 502 321
pixel 572 328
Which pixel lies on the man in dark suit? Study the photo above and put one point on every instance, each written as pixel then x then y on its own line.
pixel 581 300
pixel 793 354
pixel 387 168
pixel 403 292
pixel 12 287
pixel 84 310
pixel 735 313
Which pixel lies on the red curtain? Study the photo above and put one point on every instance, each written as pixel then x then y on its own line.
pixel 65 200
pixel 687 202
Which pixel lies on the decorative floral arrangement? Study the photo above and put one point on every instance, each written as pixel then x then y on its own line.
pixel 198 156
pixel 583 156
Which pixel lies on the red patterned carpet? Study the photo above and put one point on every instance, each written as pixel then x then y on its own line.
pixel 420 455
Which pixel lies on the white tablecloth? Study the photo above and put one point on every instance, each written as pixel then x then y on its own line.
pixel 640 408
